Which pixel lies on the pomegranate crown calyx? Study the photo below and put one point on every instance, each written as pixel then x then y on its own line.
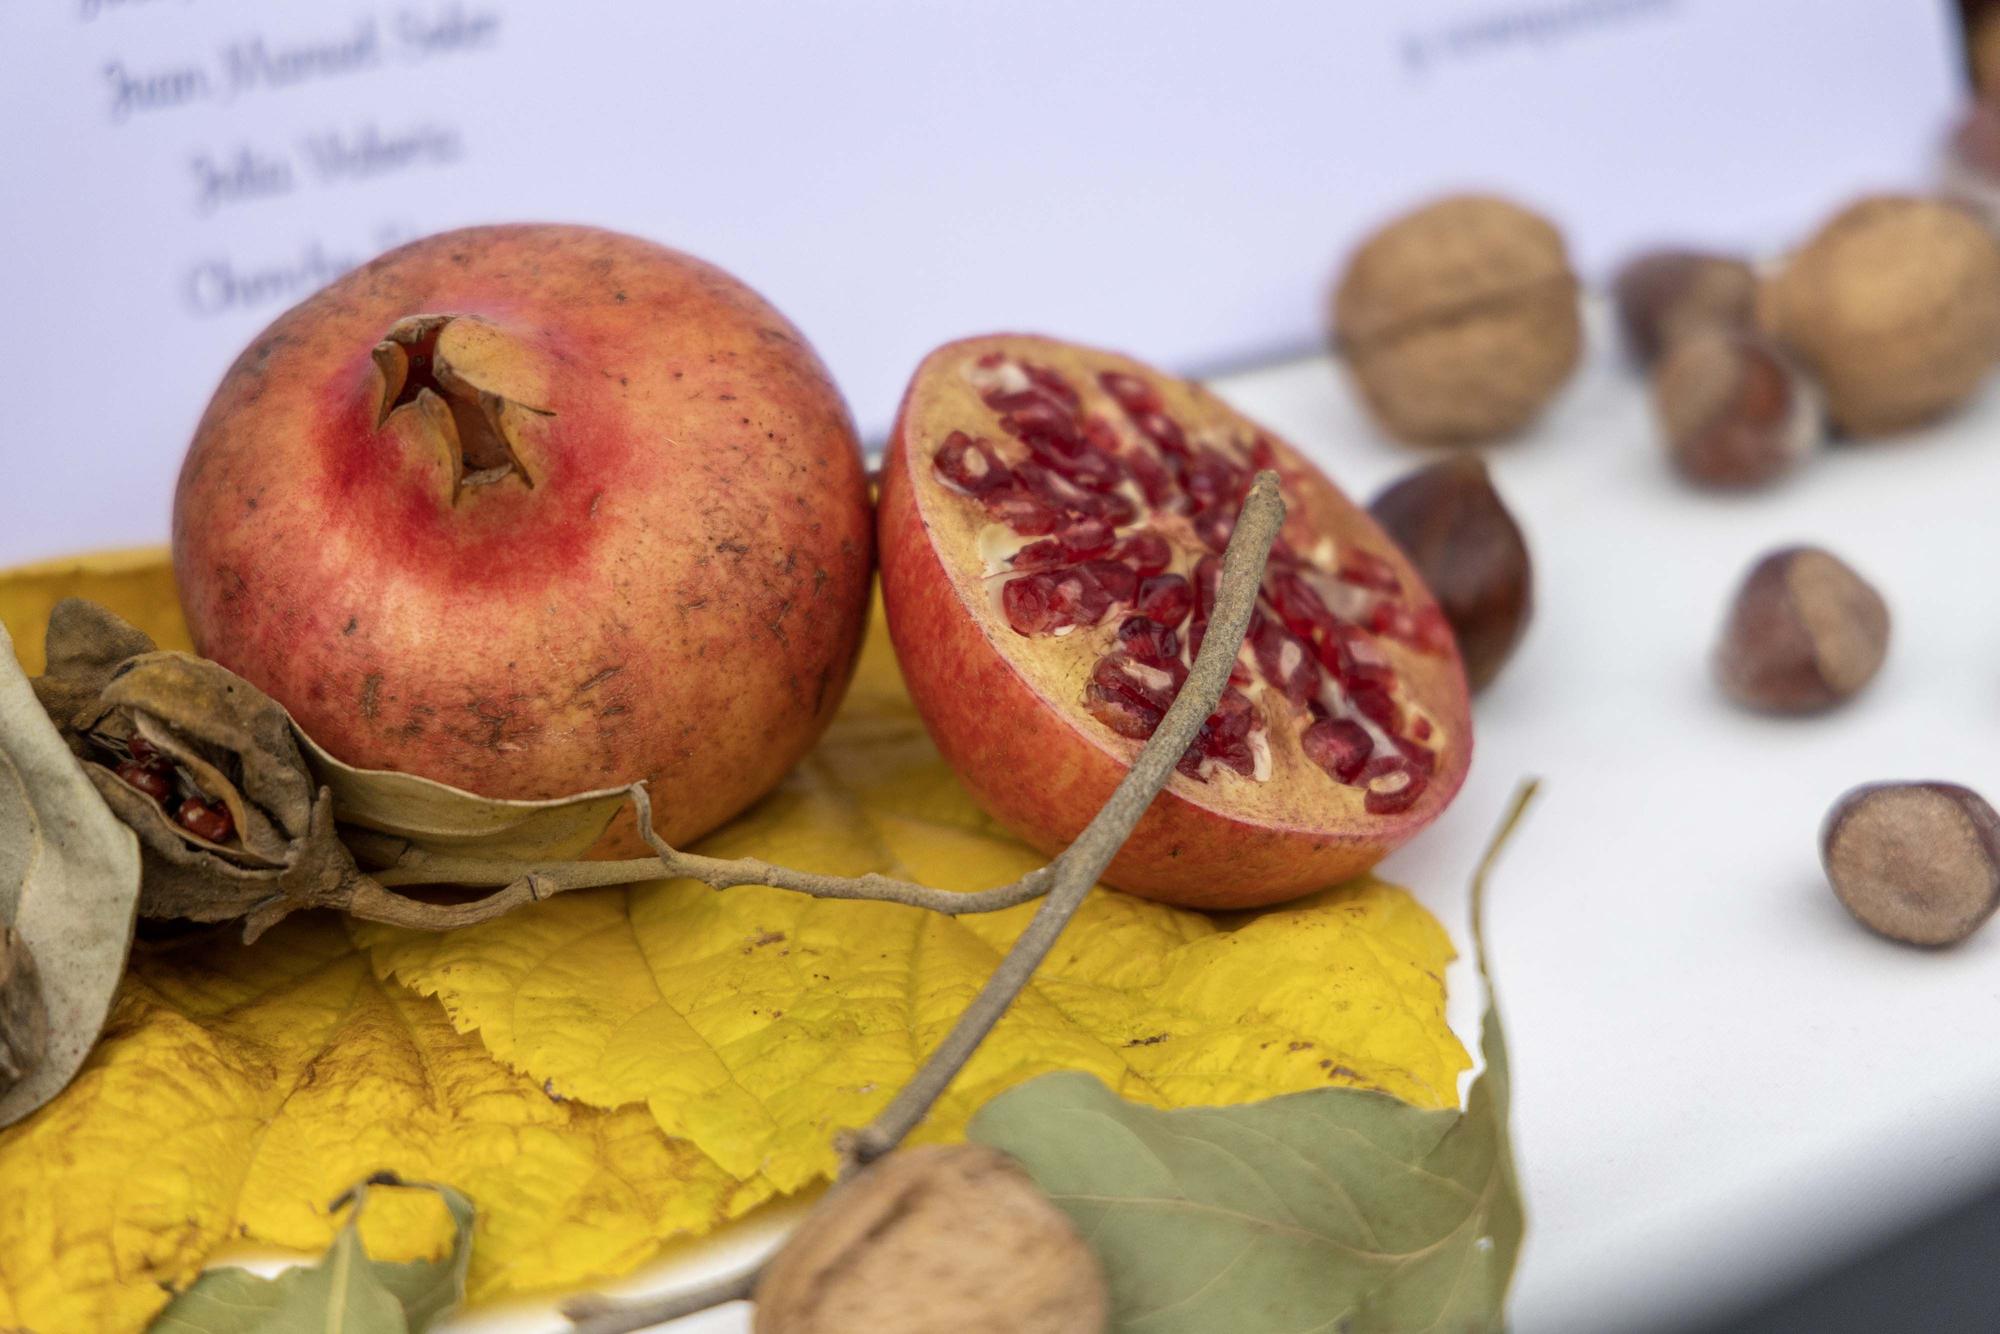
pixel 462 386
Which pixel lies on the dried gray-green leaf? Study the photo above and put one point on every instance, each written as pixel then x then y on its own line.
pixel 346 1291
pixel 24 1020
pixel 69 885
pixel 445 820
pixel 1336 1208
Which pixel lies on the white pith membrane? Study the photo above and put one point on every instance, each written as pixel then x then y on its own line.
pixel 1105 495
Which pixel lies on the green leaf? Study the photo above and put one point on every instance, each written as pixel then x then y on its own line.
pixel 345 1293
pixel 1334 1209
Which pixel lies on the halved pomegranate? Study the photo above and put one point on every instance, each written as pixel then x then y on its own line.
pixel 1052 519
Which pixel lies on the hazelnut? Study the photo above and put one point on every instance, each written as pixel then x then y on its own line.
pixel 1664 294
pixel 1916 862
pixel 1733 409
pixel 1804 634
pixel 1457 531
pixel 1894 306
pixel 1459 321
pixel 938 1238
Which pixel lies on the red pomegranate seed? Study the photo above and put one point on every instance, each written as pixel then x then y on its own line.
pixel 1083 538
pixel 206 819
pixel 1338 745
pixel 1022 510
pixel 1027 604
pixel 1166 598
pixel 151 779
pixel 1121 715
pixel 1392 785
pixel 142 750
pixel 1151 642
pixel 1041 424
pixel 1163 431
pixel 1213 480
pixel 1148 553
pixel 1420 728
pixel 1130 392
pixel 1365 569
pixel 1042 554
pixel 1119 582
pixel 1214 527
pixel 1154 480
pixel 1262 455
pixel 1130 679
pixel 1078 596
pixel 1377 705
pixel 1422 758
pixel 970 465
pixel 1286 663
pixel 1299 607
pixel 1051 382
pixel 1224 737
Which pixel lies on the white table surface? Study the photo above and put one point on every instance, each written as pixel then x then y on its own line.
pixel 1721 1082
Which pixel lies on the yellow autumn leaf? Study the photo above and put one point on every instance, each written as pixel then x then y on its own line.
pixel 137 584
pixel 238 1090
pixel 757 1023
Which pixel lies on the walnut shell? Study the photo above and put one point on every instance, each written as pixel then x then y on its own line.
pixel 939 1238
pixel 1459 321
pixel 1895 306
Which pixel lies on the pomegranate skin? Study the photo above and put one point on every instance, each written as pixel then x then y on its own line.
pixel 1043 768
pixel 676 592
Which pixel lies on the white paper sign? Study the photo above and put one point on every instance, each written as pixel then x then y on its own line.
pixel 1178 181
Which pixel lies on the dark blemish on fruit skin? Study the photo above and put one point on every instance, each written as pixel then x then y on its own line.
pixel 599 679
pixel 1147 1042
pixel 352 624
pixel 733 547
pixel 371 686
pixel 1297 1046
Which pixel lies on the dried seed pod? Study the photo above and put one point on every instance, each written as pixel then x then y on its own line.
pixel 1916 862
pixel 1664 294
pixel 939 1238
pixel 204 769
pixel 1457 531
pixel 1459 321
pixel 1894 306
pixel 1733 410
pixel 1804 633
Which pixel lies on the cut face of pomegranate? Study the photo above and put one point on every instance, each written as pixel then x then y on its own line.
pixel 1052 520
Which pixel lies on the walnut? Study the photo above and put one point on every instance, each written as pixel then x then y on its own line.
pixel 1895 306
pixel 939 1238
pixel 1459 321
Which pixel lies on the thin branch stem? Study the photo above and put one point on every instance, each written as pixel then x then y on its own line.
pixel 602 1315
pixel 1080 864
pixel 1072 875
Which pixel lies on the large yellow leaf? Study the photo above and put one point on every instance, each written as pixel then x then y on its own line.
pixel 757 1023
pixel 238 1090
pixel 136 584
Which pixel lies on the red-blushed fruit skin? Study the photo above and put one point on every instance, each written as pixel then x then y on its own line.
pixel 1044 770
pixel 679 597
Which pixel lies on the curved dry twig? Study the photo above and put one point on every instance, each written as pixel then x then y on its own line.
pixel 1070 878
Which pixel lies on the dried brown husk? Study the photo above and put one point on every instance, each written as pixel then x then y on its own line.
pixel 227 739
pixel 299 815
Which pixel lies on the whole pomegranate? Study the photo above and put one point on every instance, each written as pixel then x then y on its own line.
pixel 531 510
pixel 1051 527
